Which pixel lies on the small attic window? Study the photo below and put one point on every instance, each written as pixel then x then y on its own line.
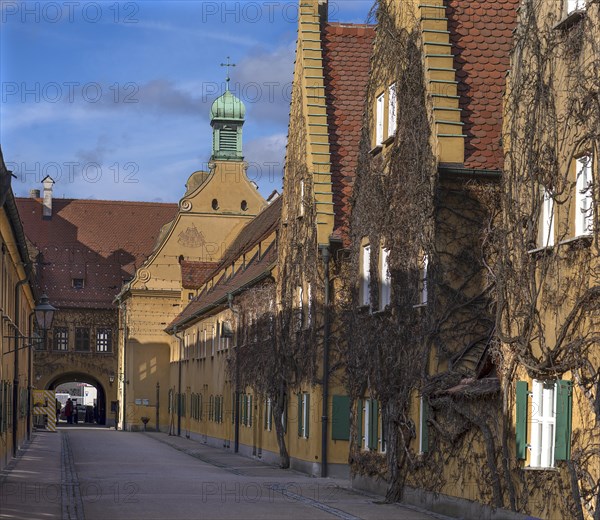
pixel 78 283
pixel 190 296
pixel 215 204
pixel 244 205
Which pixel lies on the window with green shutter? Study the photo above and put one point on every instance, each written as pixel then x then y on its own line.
pixel 373 424
pixel 424 413
pixel 340 418
pixel 549 416
pixel 359 422
pixel 299 413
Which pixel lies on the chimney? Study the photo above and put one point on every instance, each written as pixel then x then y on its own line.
pixel 34 194
pixel 48 182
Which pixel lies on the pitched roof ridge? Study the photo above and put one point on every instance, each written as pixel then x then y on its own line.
pixel 103 201
pixel 350 25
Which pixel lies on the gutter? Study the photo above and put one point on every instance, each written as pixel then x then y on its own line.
pixel 469 172
pixel 221 301
pixel 326 326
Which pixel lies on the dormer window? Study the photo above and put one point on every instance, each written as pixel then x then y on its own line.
pixel 78 283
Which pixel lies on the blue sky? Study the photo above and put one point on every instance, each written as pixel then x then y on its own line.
pixel 112 98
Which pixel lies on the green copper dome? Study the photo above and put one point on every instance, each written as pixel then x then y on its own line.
pixel 228 107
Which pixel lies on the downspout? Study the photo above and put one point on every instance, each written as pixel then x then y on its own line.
pixel 326 327
pixel 29 370
pixel 15 397
pixel 236 434
pixel 125 381
pixel 178 384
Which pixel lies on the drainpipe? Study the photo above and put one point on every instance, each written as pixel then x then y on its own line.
pixel 326 326
pixel 15 396
pixel 125 381
pixel 29 369
pixel 236 434
pixel 179 384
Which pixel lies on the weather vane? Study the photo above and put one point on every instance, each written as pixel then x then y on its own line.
pixel 227 65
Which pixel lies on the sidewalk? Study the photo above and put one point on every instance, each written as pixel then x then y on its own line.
pixel 30 488
pixel 327 494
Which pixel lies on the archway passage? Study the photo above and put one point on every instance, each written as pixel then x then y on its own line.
pixel 80 377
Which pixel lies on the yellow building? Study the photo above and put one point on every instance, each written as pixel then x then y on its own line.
pixel 16 325
pixel 280 325
pixel 215 207
pixel 548 260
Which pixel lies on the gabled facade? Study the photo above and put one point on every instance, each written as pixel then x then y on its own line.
pixel 17 299
pixel 217 204
pixel 420 314
pixel 85 250
pixel 548 260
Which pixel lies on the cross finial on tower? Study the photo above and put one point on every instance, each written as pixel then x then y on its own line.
pixel 228 65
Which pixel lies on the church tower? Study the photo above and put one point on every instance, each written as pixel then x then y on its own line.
pixel 227 118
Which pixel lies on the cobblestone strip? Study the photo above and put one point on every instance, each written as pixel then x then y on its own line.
pixel 72 505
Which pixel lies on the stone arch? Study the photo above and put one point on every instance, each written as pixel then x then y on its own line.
pixel 82 377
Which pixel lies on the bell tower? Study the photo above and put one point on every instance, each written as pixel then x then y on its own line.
pixel 227 118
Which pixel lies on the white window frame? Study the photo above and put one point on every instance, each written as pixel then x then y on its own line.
pixel 423 280
pixel 269 412
pixel 385 279
pixel 213 342
pixel 546 238
pixel 392 110
pixel 301 209
pixel 309 306
pixel 305 417
pixel 366 424
pixel 584 220
pixel 365 278
pixel 379 122
pixel 543 424
pixel 382 446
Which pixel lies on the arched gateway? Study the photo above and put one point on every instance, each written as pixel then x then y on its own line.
pixel 81 377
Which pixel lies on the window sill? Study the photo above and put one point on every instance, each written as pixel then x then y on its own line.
pixel 376 150
pixel 573 18
pixel 534 468
pixel 389 140
pixel 539 250
pixel 420 306
pixel 580 239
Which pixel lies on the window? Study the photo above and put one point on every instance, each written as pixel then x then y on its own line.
pixel 268 415
pixel 392 110
pixel 301 209
pixel 368 424
pixel 212 352
pixel 82 339
pixel 78 283
pixel 549 416
pixel 583 196
pixel 61 338
pixel 575 5
pixel 303 415
pixel 379 121
pixel 246 410
pixel 299 308
pixel 365 272
pixel 423 283
pixel 546 228
pixel 211 408
pixel 309 307
pixel 385 286
pixel 104 340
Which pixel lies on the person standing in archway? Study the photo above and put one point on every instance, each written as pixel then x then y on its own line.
pixel 69 411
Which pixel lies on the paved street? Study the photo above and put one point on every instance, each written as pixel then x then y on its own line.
pixel 98 474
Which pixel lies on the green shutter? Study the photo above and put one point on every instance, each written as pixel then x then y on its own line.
pixel 250 411
pixel 359 421
pixel 299 395
pixel 564 408
pixel 373 424
pixel 521 418
pixel 245 411
pixel 266 421
pixel 425 426
pixel 307 416
pixel 340 418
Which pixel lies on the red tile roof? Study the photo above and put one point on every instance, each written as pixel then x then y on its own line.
pixel 259 228
pixel 481 38
pixel 346 61
pixel 194 274
pixel 101 241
